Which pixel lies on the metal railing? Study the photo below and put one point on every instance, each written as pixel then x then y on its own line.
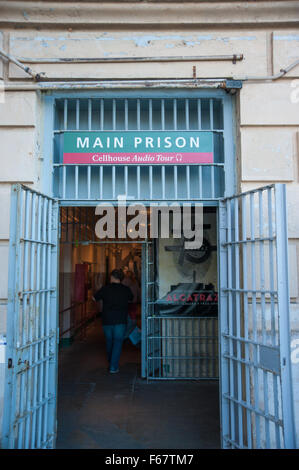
pixel 80 317
pixel 182 348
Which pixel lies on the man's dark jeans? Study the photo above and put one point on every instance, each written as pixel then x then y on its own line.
pixel 114 335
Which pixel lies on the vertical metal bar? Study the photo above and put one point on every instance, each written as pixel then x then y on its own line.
pixel 187 120
pixel 53 325
pixel 88 181
pixel 271 264
pixel 192 347
pixel 138 182
pixel 263 313
pixel 126 115
pixel 101 182
pixel 77 114
pixel 89 113
pixel 144 332
pixel 179 348
pixel 272 303
pixel 151 182
pixel 102 115
pixel 163 114
pixel 246 325
pixel 254 321
pixel 188 181
pixel 201 358
pixel 113 182
pixel 175 175
pixel 150 114
pixel 65 103
pixel 230 320
pixel 64 182
pixel 211 114
pixel 237 318
pixel 206 346
pixel 163 181
pixel 175 114
pixel 126 180
pixel 200 181
pixel 80 224
pixel 212 170
pixel 138 114
pixel 47 318
pixel 76 182
pixel 199 114
pixel 283 299
pixel 114 114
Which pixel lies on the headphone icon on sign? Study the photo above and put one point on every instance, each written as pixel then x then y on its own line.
pixel 179 157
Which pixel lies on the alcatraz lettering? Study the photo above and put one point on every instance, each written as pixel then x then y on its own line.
pixel 194 298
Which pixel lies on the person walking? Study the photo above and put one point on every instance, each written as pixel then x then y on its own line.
pixel 115 297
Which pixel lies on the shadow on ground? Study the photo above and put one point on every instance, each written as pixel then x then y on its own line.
pixel 97 410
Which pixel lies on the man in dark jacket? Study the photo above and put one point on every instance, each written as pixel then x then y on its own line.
pixel 115 297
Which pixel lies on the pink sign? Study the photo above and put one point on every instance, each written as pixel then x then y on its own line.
pixel 138 158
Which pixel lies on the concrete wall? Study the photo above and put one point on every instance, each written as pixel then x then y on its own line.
pixel 267 33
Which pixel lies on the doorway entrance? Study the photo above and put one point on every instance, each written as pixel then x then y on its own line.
pixel 255 378
pixel 178 319
pixel 176 305
pixel 256 385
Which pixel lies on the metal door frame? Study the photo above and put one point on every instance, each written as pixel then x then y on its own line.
pixel 36 227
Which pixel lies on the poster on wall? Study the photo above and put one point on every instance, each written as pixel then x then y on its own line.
pixel 137 147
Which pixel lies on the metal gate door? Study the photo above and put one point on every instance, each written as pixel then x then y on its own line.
pixel 256 386
pixel 30 395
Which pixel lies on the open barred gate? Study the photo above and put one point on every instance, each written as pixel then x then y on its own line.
pixel 256 385
pixel 31 375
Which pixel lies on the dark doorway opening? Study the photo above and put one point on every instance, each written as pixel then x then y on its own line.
pixel 95 409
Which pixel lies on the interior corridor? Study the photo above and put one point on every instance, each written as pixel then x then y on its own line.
pixel 97 410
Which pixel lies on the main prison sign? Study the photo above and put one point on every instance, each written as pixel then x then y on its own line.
pixel 138 147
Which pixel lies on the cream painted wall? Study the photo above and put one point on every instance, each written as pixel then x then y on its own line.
pixel 269 110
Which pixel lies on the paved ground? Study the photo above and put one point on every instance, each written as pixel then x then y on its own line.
pixel 97 410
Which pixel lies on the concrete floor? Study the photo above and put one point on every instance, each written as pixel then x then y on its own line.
pixel 97 410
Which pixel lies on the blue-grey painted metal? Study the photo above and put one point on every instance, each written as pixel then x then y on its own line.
pixel 31 377
pixel 82 185
pixel 283 311
pixel 256 383
pixel 196 110
pixel 143 311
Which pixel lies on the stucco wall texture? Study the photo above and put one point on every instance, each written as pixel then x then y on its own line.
pixel 267 117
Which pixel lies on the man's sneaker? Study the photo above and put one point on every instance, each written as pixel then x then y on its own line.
pixel 113 371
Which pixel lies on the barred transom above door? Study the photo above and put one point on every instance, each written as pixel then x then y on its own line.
pixel 85 184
